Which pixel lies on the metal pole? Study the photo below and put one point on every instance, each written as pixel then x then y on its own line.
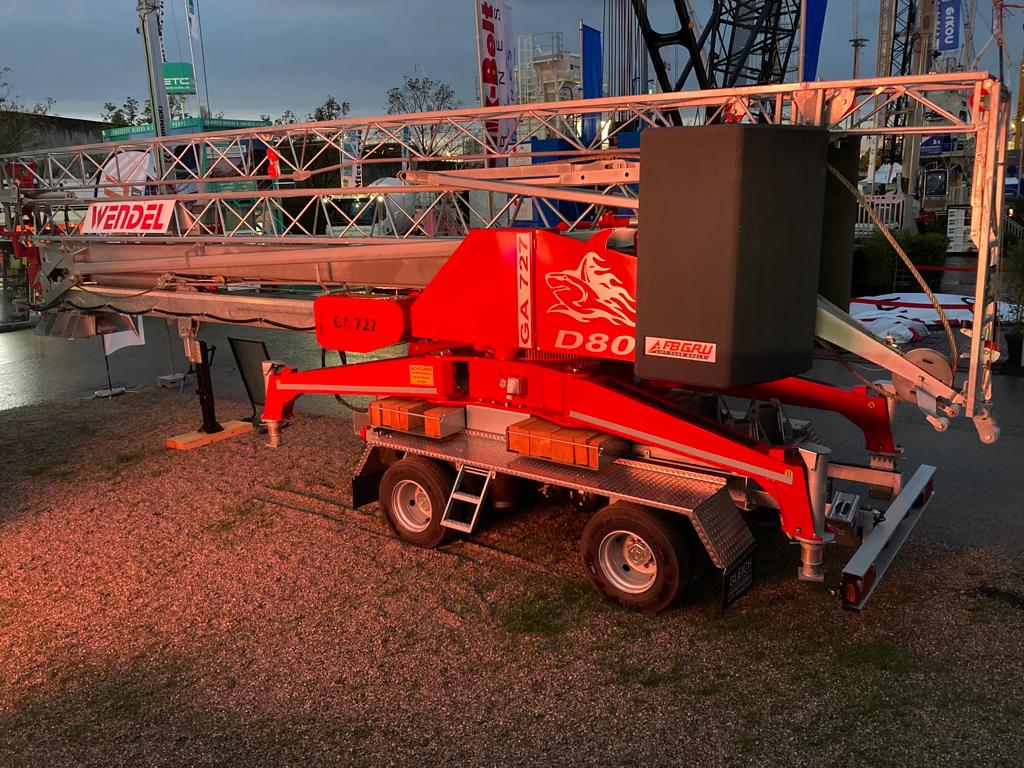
pixel 924 44
pixel 106 364
pixel 192 55
pixel 803 41
pixel 149 26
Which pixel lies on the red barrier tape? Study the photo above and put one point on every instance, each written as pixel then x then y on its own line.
pixel 924 268
pixel 912 304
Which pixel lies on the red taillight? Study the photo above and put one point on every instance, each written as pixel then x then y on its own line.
pixel 856 587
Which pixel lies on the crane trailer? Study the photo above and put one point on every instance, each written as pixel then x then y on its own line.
pixel 628 317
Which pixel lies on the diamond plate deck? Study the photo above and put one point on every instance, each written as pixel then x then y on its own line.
pixel 703 498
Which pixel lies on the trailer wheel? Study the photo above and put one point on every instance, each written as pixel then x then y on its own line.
pixel 413 495
pixel 636 556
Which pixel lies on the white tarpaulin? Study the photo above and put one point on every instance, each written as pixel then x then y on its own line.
pixel 887 172
pixel 128 168
pixel 132 337
pixel 912 306
pixel 900 330
pixel 904 315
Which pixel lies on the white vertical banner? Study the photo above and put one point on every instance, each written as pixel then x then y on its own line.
pixel 497 65
pixel 134 336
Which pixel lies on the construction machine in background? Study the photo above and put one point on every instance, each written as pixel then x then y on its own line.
pixel 627 316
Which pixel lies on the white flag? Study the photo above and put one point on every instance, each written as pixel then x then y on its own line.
pixel 190 14
pixel 135 336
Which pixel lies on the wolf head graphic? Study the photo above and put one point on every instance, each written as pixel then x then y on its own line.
pixel 592 291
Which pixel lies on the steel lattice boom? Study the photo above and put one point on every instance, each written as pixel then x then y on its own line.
pixel 242 215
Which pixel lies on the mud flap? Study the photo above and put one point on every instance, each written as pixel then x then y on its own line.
pixel 728 541
pixel 366 478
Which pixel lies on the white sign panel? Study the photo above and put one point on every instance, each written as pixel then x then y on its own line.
pixel 958 230
pixel 524 289
pixel 128 217
pixel 496 48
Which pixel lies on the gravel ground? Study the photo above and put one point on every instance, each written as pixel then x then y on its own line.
pixel 226 607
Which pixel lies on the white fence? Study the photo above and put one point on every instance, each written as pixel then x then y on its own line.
pixel 889 209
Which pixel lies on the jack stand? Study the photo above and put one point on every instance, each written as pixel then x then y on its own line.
pixel 816 459
pixel 204 383
pixel 274 433
pixel 211 430
pixel 811 553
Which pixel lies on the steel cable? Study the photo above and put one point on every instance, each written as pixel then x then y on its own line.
pixel 953 353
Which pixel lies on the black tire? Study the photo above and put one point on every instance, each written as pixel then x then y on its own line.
pixel 649 588
pixel 400 483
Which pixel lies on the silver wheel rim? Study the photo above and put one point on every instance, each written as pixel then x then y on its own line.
pixel 411 506
pixel 627 562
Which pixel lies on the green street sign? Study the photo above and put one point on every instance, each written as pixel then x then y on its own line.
pixel 178 77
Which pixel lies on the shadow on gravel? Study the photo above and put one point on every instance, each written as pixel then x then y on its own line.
pixel 54 447
pixel 154 714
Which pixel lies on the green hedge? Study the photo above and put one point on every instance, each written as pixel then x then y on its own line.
pixel 874 260
pixel 1013 284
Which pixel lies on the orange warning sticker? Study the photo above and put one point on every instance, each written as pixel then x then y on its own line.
pixel 421 375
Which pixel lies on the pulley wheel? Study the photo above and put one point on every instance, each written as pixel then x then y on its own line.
pixel 927 360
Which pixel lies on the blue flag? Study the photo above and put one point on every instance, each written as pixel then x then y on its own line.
pixel 947 36
pixel 590 43
pixel 815 20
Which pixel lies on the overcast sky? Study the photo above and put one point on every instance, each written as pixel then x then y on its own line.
pixel 266 56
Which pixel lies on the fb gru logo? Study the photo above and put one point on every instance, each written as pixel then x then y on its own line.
pixel 700 351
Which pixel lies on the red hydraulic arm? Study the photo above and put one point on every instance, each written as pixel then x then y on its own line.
pixel 552 391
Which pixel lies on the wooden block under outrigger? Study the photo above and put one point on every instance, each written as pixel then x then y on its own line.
pixel 190 440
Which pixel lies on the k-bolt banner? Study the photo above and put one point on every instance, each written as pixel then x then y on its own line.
pixel 497 49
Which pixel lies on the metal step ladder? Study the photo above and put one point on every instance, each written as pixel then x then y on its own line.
pixel 464 504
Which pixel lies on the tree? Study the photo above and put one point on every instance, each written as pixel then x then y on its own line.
pixel 204 112
pixel 287 118
pixel 331 109
pixel 424 94
pixel 16 118
pixel 126 115
pixel 132 113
